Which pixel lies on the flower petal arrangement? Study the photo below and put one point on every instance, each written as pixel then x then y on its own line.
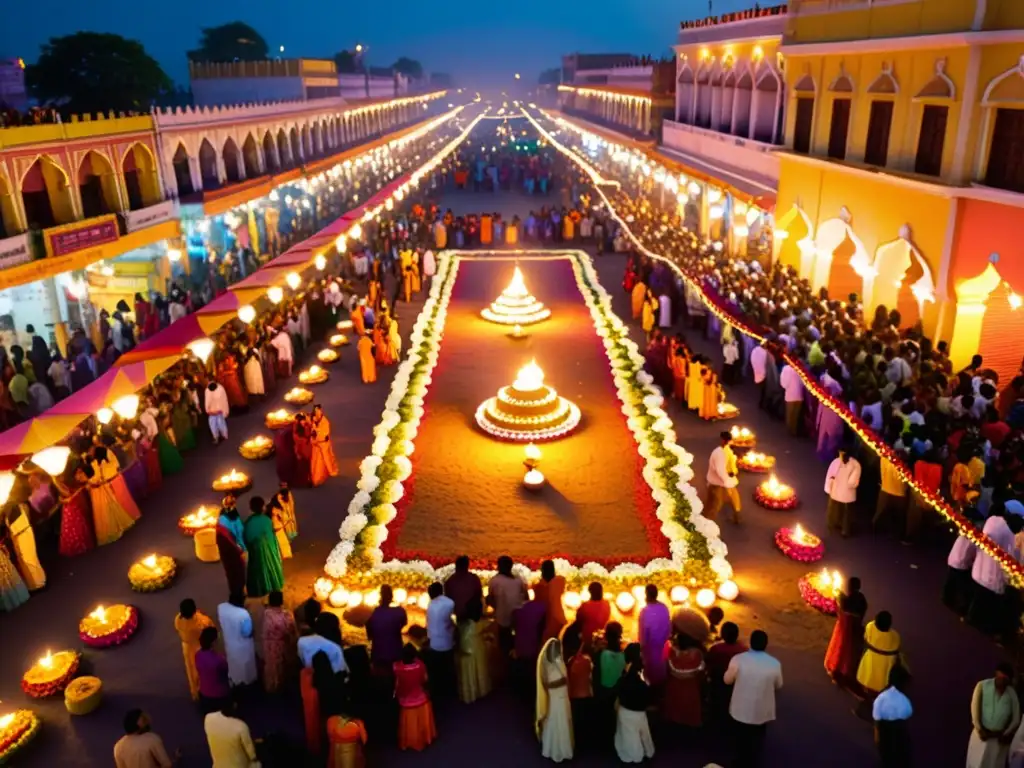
pixel 51 674
pixel 817 595
pixel 798 545
pixel 107 627
pixel 698 555
pixel 16 731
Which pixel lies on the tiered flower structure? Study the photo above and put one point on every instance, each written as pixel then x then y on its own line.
pixel 698 555
pixel 797 544
pixel 152 573
pixel 257 448
pixel 529 410
pixel 516 306
pixel 51 674
pixel 821 590
pixel 17 729
pixel 107 627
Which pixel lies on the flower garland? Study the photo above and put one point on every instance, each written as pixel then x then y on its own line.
pixel 802 547
pixel 697 551
pixel 122 621
pixel 16 735
pixel 776 503
pixel 153 573
pixel 42 680
pixel 1013 569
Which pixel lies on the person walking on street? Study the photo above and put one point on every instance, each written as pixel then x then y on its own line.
pixel 755 677
pixel 722 480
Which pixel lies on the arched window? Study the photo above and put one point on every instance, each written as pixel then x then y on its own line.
pixel 839 127
pixel 741 104
pixel 804 92
pixel 251 158
pixel 208 165
pixel 1004 122
pixel 232 161
pixel 182 171
pixel 97 185
pixel 270 153
pixel 140 177
pixel 685 91
pixel 933 100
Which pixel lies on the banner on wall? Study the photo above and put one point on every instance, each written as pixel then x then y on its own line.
pixel 15 251
pixel 69 238
pixel 150 215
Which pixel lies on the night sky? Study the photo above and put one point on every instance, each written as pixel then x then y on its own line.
pixel 475 41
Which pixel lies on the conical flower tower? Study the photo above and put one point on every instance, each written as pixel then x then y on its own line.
pixel 529 410
pixel 516 306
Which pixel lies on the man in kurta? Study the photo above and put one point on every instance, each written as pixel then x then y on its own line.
pixel 239 646
pixel 654 631
pixel 367 365
pixel 995 713
pixel 264 573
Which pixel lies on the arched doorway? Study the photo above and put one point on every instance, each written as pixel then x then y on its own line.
pixel 764 103
pixel 724 124
pixel 140 177
pixel 284 150
pixel 270 152
pixel 251 158
pixel 97 185
pixel 182 171
pixel 307 142
pixel 684 91
pixel 296 147
pixel 208 165
pixel 232 161
pixel 703 118
pixel 1001 332
pixel 741 105
pixel 8 215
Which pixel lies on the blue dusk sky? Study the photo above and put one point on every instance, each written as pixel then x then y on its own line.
pixel 474 41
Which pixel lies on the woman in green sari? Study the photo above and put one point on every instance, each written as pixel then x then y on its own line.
pixel 170 457
pixel 264 573
pixel 181 423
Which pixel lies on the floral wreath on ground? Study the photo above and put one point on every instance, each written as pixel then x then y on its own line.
pixel 698 555
pixel 23 726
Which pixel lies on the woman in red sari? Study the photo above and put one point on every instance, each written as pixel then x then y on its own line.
pixel 279 638
pixel 229 378
pixel 302 436
pixel 684 684
pixel 416 728
pixel 845 647
pixel 76 535
pixel 323 463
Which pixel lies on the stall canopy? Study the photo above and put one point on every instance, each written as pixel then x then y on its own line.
pixel 115 383
pixel 34 435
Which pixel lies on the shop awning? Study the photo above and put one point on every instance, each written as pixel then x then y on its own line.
pixel 114 384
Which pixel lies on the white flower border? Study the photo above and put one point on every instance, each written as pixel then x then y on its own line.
pixel 359 535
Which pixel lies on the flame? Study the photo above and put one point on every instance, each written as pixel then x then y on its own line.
pixel 530 378
pixel 150 562
pixel 517 288
pixel 6 720
pixel 532 452
pixel 47 660
pixel 798 534
pixel 100 614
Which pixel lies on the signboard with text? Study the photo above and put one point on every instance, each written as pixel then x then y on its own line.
pixel 15 251
pixel 69 238
pixel 150 215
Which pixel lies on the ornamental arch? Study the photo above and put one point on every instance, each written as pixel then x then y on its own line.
pixel 141 181
pixel 97 185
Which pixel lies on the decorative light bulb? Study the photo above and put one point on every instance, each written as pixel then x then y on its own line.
pixel 246 313
pixel 293 280
pixel 126 407
pixel 276 294
pixel 201 348
pixel 104 415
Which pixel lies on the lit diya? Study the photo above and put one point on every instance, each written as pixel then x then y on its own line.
pixel 279 419
pixel 51 674
pixel 742 437
pixel 152 573
pixel 821 590
pixel 256 448
pixel 517 332
pixel 313 375
pixel 17 729
pixel 534 478
pixel 338 340
pixel 298 396
pixel 755 461
pixel 727 411
pixel 202 518
pixel 771 494
pixel 344 325
pixel 107 627
pixel 234 481
pixel 797 544
pixel 327 356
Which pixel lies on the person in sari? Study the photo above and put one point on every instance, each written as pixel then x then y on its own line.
pixel 280 636
pixel 113 509
pixel 23 539
pixel 320 667
pixel 264 573
pixel 323 463
pixel 609 664
pixel 13 591
pixel 638 298
pixel 683 700
pixel 829 424
pixel 382 340
pixel 287 501
pixel 285 460
pixel 147 452
pixel 553 714
pixel 229 378
pixel 76 533
pixel 995 714
pixel 367 365
pixel 845 646
pixel 695 384
pixel 549 591
pixel 358 320
pixel 276 514
pixel 416 728
pixel 473 673
pixel 171 462
pixel 881 654
pixel 345 737
pixel 394 339
pixel 647 315
pixel 231 544
pixel 593 615
pixel 680 366
pixel 253 372
pixel 189 624
pixel 302 437
pixel 633 742
pixel 181 423
pixel 712 394
pixel 654 630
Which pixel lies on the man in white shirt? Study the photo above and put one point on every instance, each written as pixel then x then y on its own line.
pixel 282 342
pixel 310 645
pixel 175 311
pixel 891 711
pixel 440 656
pixel 758 364
pixel 755 677
pixel 794 388
pixel 237 630
pixel 988 609
pixel 229 739
pixel 722 481
pixel 841 483
pixel 505 592
pixel 217 409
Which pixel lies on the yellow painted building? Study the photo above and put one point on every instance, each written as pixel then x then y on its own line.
pixel 899 114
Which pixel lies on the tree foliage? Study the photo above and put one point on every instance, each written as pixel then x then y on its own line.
pixel 347 62
pixel 408 67
pixel 235 40
pixel 95 71
pixel 550 76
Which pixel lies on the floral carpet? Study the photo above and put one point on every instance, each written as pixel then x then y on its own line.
pixel 465 494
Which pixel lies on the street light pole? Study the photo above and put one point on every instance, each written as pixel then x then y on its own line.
pixel 361 53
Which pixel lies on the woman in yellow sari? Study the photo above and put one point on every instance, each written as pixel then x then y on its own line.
pixel 414 270
pixel 712 394
pixel 367 365
pixel 382 340
pixel 473 671
pixel 189 624
pixel 394 340
pixel 323 463
pixel 346 736
pixel 881 654
pixel 647 316
pixel 114 510
pixel 695 382
pixel 638 297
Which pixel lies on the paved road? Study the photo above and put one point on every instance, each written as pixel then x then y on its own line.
pixel 815 727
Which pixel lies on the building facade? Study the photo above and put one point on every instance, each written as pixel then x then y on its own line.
pixel 632 95
pixel 903 165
